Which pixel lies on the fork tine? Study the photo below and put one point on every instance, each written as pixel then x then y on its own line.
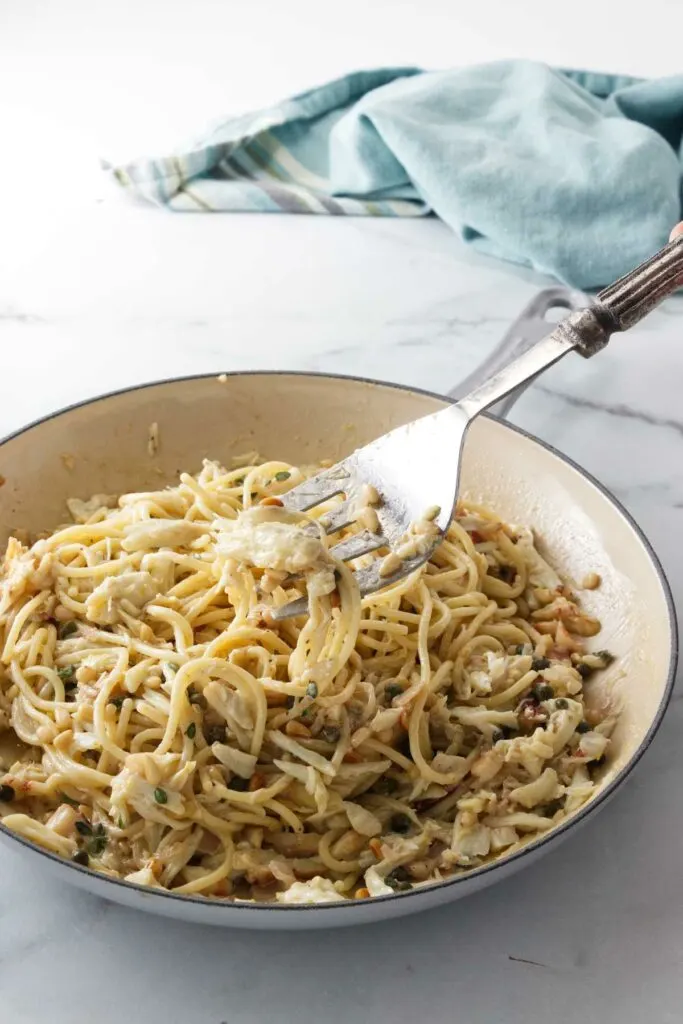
pixel 290 610
pixel 315 490
pixel 338 517
pixel 371 579
pixel 360 544
pixel 368 579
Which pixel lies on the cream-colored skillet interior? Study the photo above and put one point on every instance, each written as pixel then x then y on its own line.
pixel 103 447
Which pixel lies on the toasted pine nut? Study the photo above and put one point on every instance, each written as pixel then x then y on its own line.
pixel 294 728
pixel 390 565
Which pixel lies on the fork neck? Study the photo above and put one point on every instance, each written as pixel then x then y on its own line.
pixel 583 330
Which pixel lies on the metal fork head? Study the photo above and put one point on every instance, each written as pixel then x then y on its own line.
pixel 413 468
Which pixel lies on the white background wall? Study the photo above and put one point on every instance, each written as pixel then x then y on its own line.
pixel 124 76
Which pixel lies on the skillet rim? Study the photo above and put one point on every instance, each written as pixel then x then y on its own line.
pixel 533 847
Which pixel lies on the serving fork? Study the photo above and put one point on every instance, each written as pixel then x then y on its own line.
pixel 410 475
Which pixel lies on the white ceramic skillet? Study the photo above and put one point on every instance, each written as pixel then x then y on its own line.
pixel 101 446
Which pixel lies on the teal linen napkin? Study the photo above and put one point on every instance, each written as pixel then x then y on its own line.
pixel 574 173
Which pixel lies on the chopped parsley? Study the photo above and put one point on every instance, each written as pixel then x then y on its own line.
pixel 552 808
pixel 160 795
pixel 605 657
pixel 398 880
pixel 191 730
pixel 312 690
pixel 97 844
pixel 400 823
pixel 238 784
pixel 214 734
pixel 542 691
pixel 282 475
pixel 67 629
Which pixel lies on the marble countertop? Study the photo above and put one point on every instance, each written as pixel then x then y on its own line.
pixel 99 293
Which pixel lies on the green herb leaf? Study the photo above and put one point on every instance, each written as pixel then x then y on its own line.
pixel 282 475
pixel 191 730
pixel 393 690
pixel 84 827
pixel 398 880
pixel 312 690
pixel 606 657
pixel 160 795
pixel 121 823
pixel 67 675
pixel 97 845
pixel 542 691
pixel 116 701
pixel 68 800
pixel 214 734
pixel 67 629
pixel 238 784
pixel 552 808
pixel 400 823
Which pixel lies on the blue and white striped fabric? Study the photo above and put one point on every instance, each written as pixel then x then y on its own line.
pixel 575 174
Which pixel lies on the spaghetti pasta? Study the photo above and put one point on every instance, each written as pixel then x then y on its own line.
pixel 157 724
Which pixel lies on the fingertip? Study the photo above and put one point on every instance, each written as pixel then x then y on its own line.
pixel 678 230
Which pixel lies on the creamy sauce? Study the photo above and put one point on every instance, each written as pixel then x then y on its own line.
pixel 318 890
pixel 283 547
